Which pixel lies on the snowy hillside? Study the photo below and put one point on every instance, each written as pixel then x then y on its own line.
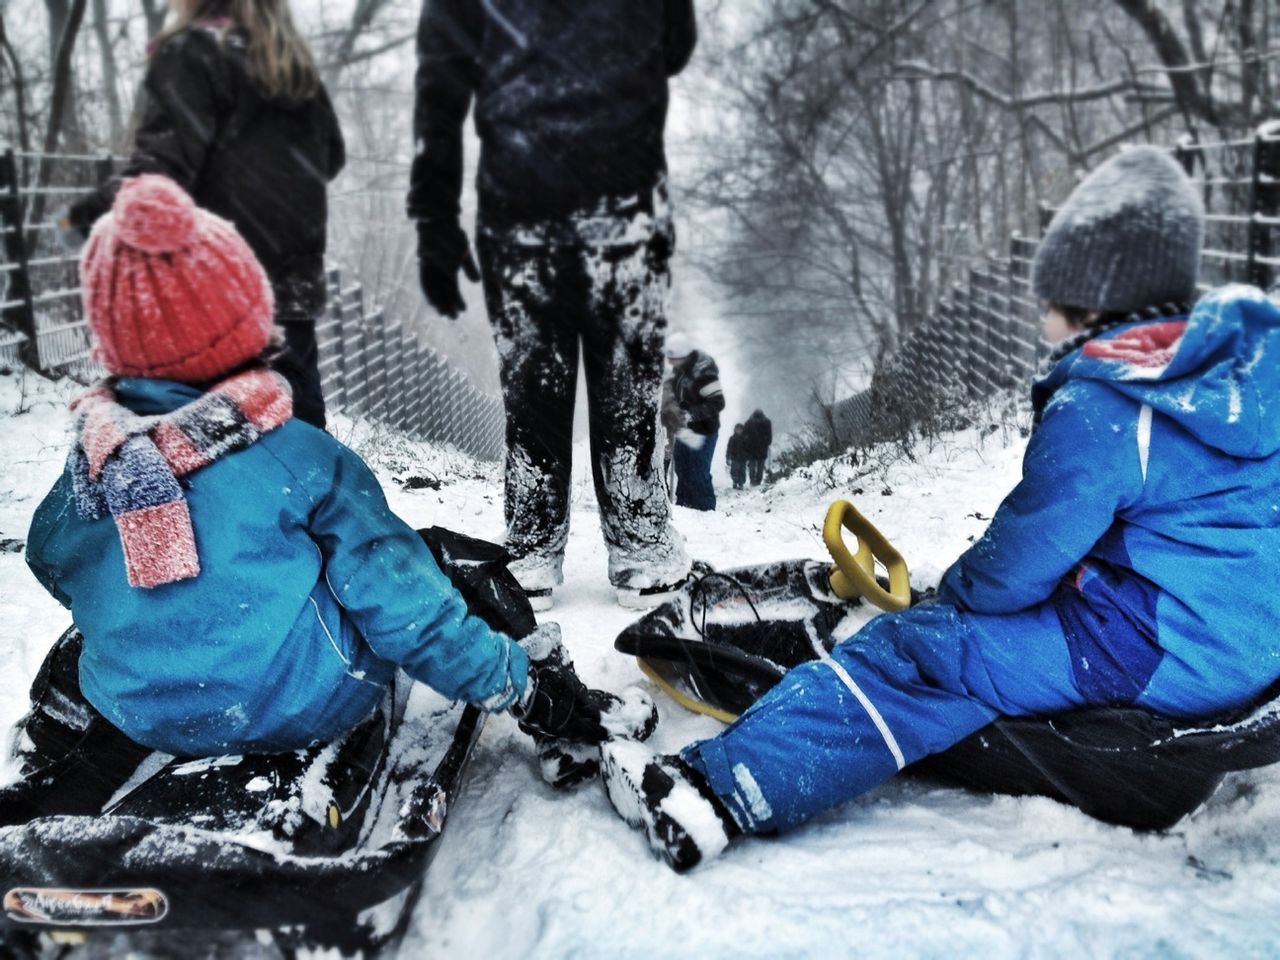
pixel 909 870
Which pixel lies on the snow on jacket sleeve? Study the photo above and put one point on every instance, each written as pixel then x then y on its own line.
pixel 404 606
pixel 702 395
pixel 449 33
pixel 182 96
pixel 680 35
pixel 1081 468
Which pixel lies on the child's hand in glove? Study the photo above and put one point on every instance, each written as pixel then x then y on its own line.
pixel 558 705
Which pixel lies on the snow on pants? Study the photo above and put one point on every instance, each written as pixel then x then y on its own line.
pixel 694 488
pixel 907 685
pixel 596 282
pixel 738 473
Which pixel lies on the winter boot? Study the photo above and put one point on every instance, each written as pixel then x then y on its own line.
pixel 643 598
pixel 564 764
pixel 683 820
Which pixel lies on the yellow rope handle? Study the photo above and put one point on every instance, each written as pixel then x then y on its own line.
pixel 854 574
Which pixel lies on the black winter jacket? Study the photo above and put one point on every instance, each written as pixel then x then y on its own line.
pixel 758 434
pixel 264 164
pixel 736 449
pixel 697 388
pixel 571 101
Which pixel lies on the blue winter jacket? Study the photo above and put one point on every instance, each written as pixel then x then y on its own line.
pixel 1149 510
pixel 310 592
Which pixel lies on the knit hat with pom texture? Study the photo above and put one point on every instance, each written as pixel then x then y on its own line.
pixel 170 290
pixel 1127 238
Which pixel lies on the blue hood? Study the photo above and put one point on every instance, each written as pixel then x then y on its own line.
pixel 1216 373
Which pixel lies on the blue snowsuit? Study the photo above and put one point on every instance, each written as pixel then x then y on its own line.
pixel 311 591
pixel 1134 564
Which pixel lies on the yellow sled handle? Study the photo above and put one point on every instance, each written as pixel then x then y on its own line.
pixel 854 574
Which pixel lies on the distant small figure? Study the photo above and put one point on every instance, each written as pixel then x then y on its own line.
pixel 736 455
pixel 695 380
pixel 759 437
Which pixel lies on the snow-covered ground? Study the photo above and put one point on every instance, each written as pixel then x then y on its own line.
pixel 909 870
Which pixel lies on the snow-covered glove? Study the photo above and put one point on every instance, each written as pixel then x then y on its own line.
pixel 559 706
pixel 70 237
pixel 690 439
pixel 443 250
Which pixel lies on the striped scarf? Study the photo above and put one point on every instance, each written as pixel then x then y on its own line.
pixel 127 466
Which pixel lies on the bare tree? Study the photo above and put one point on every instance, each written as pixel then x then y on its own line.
pixel 110 76
pixel 14 67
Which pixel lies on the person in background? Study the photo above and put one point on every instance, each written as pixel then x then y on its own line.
pixel 673 420
pixel 239 580
pixel 735 455
pixel 235 113
pixel 759 437
pixel 575 238
pixel 1122 570
pixel 695 382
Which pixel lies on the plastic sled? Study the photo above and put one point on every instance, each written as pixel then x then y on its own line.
pixel 731 635
pixel 322 848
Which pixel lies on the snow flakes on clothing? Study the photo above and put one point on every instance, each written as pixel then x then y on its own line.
pixel 595 282
pixel 127 466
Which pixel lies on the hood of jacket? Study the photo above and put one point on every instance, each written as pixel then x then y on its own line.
pixel 1215 372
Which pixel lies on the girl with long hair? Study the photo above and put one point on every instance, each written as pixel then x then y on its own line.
pixel 236 113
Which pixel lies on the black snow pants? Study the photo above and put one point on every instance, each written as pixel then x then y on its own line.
pixel 594 281
pixel 72 759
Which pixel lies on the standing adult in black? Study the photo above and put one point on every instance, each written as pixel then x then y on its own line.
pixel 759 436
pixel 235 112
pixel 575 239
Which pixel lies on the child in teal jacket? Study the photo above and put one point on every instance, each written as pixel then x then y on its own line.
pixel 240 582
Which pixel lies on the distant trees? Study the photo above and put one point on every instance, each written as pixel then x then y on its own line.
pixel 867 146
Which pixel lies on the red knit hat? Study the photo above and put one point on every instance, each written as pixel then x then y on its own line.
pixel 170 290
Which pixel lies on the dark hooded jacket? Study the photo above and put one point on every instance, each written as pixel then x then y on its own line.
pixel 262 163
pixel 696 384
pixel 758 433
pixel 571 101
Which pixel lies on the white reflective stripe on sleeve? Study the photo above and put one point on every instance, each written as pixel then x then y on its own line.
pixel 872 712
pixel 711 388
pixel 1144 439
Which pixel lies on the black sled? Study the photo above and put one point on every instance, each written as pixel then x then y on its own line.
pixel 322 848
pixel 731 635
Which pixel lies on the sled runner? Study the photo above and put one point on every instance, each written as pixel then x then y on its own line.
pixel 325 847
pixel 731 635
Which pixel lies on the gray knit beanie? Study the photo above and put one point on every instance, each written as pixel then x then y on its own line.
pixel 1128 237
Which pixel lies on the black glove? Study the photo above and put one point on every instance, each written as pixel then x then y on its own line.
pixel 558 705
pixel 443 251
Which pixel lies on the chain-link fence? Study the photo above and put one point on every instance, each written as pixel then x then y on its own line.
pixel 985 336
pixel 371 365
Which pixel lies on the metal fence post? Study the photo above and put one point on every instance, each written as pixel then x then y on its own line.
pixel 20 309
pixel 973 313
pixel 103 168
pixel 1264 202
pixel 1185 152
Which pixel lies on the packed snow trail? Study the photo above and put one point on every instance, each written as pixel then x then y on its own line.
pixel 910 869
